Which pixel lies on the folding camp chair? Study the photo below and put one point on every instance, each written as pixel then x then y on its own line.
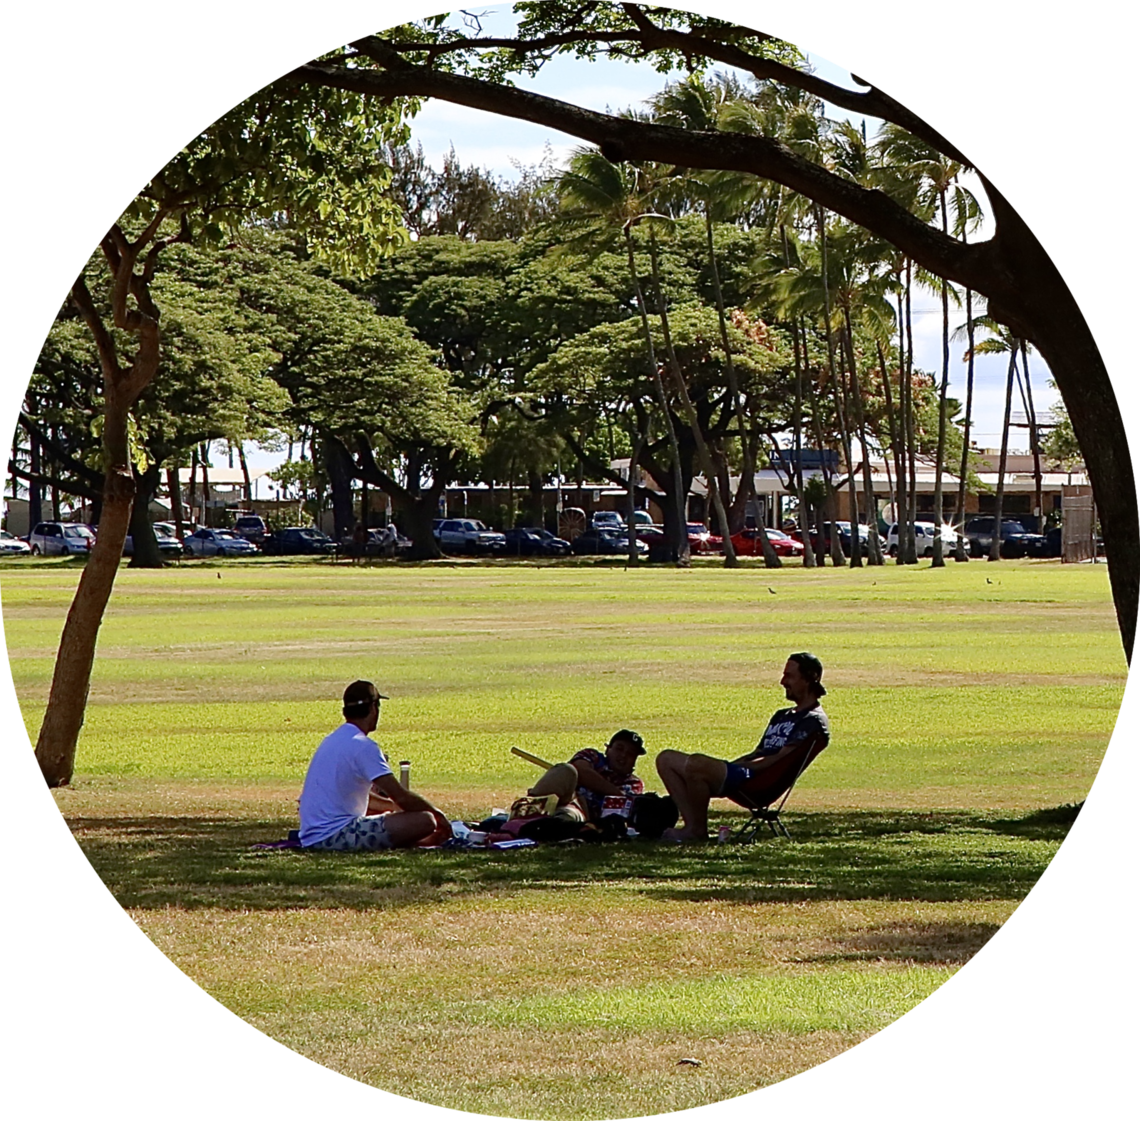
pixel 765 794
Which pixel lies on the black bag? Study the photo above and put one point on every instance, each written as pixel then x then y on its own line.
pixel 653 814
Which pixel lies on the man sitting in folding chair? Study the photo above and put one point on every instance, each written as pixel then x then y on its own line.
pixel 793 738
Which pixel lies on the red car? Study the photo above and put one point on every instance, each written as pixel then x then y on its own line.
pixel 701 540
pixel 747 544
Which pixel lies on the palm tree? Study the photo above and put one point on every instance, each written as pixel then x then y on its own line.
pixel 599 201
pixel 696 105
pixel 1001 341
pixel 933 175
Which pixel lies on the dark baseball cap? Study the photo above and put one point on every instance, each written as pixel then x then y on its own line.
pixel 812 668
pixel 631 738
pixel 359 698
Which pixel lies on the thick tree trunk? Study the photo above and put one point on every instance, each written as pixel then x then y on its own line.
pixel 144 547
pixel 340 470
pixel 414 515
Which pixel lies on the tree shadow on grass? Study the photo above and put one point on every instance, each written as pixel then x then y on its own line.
pixel 196 862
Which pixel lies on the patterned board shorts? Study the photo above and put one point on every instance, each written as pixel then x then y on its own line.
pixel 363 834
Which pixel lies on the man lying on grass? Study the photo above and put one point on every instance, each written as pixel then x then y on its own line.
pixel 591 778
pixel 693 780
pixel 351 801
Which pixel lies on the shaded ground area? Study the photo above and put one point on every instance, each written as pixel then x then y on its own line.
pixel 191 862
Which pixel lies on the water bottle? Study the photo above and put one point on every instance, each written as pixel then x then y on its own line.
pixel 405 774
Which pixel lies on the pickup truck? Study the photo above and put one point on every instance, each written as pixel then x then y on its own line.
pixel 465 535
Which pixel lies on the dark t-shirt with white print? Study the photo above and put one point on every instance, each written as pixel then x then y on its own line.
pixel 790 726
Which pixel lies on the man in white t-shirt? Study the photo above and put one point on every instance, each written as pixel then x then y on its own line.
pixel 345 770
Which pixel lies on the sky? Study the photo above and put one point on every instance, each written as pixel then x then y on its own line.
pixel 501 144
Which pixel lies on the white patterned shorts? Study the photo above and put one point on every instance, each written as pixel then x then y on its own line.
pixel 365 834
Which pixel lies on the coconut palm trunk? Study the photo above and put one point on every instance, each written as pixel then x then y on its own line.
pixel 995 545
pixel 681 545
pixel 1031 414
pixel 747 447
pixel 837 558
pixel 797 473
pixel 912 434
pixel 960 512
pixel 874 548
pixel 707 466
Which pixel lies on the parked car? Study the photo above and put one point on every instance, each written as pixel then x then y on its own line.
pixel 605 542
pixel 168 545
pixel 206 542
pixel 466 535
pixel 843 529
pixel 924 535
pixel 607 519
pixel 55 539
pixel 296 541
pixel 703 540
pixel 13 546
pixel 251 527
pixel 555 546
pixel 747 543
pixel 1015 540
pixel 531 542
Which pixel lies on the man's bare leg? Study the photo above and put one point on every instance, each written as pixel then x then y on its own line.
pixel 406 827
pixel 692 781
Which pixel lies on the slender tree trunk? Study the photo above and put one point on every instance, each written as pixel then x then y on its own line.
pixel 681 543
pixel 747 455
pixel 798 447
pixel 174 487
pixel 55 514
pixel 247 484
pixel 894 425
pixel 35 487
pixel 730 558
pixel 995 545
pixel 938 561
pixel 204 460
pixel 837 558
pixel 631 497
pixel 960 514
pixel 1033 438
pixel 192 489
pixel 912 433
pixel 874 548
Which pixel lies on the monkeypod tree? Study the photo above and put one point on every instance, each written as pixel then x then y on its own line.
pixel 1023 290
pixel 310 153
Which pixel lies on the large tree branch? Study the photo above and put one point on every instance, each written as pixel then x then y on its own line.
pixel 104 343
pixel 68 486
pixel 974 265
pixel 873 102
pixel 57 452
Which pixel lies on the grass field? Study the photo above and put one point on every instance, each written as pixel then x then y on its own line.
pixel 970 707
